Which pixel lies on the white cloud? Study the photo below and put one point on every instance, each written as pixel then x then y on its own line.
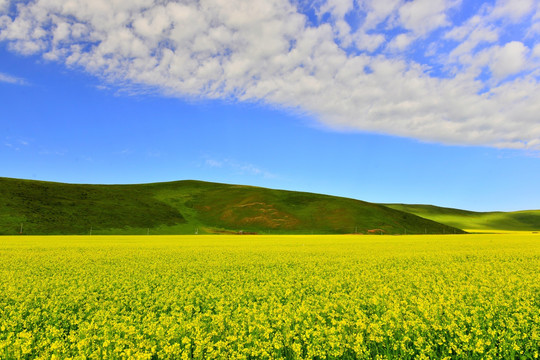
pixel 12 79
pixel 378 11
pixel 4 4
pixel 361 75
pixel 509 59
pixel 338 9
pixel 401 42
pixel 422 16
pixel 534 30
pixel 470 38
pixel 536 51
pixel 367 42
pixel 513 10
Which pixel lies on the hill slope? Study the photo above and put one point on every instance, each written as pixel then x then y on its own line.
pixel 185 207
pixel 527 220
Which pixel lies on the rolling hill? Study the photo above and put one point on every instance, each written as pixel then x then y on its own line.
pixel 527 220
pixel 187 207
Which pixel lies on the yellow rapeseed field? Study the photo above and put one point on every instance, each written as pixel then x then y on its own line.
pixel 270 297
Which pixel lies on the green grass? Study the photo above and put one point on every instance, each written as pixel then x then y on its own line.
pixel 53 208
pixel 527 220
pixel 183 207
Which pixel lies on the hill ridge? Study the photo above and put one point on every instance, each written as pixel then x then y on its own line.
pixel 189 206
pixel 521 220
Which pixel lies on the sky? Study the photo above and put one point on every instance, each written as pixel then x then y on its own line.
pixel 391 101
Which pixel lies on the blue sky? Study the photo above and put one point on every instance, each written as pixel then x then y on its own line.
pixel 386 101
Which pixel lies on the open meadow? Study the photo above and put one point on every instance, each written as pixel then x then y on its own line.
pixel 270 297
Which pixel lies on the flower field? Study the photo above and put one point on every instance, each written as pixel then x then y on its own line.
pixel 270 297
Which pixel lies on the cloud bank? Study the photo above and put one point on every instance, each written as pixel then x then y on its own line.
pixel 446 71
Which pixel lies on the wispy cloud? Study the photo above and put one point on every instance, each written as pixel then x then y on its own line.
pixel 16 144
pixel 451 71
pixel 239 167
pixel 123 152
pixel 213 163
pixel 12 79
pixel 153 154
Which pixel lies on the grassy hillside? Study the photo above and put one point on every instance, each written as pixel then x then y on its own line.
pixel 185 207
pixel 528 220
pixel 54 208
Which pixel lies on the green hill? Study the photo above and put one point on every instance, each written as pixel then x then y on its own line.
pixel 186 207
pixel 527 220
